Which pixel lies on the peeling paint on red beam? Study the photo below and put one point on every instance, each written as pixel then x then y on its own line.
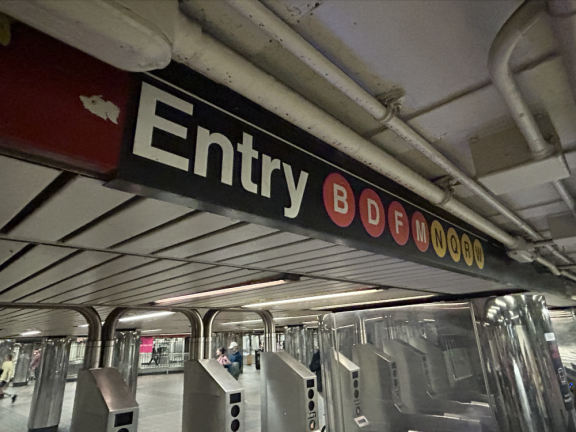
pixel 41 81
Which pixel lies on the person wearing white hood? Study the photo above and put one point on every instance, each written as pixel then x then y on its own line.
pixel 236 359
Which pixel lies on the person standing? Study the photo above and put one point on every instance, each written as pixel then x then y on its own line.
pixel 36 357
pixel 7 375
pixel 235 357
pixel 221 357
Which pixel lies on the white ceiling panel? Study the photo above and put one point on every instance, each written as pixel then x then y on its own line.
pixel 21 182
pixel 9 248
pixel 322 262
pixel 85 293
pixel 136 219
pixel 35 260
pixel 78 203
pixel 76 264
pixel 58 292
pixel 282 253
pixel 364 260
pixel 227 237
pixel 191 281
pixel 248 247
pixel 197 225
pixel 174 276
pixel 228 279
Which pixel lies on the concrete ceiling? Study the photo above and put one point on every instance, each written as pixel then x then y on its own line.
pixel 79 242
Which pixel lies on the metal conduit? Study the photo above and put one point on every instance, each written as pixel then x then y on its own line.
pixel 219 63
pixel 94 341
pixel 293 42
pixel 109 331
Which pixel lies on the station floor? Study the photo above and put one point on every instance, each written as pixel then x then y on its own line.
pixel 159 396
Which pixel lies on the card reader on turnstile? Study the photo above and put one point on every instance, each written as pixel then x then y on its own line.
pixel 103 403
pixel 213 399
pixel 289 395
pixel 353 413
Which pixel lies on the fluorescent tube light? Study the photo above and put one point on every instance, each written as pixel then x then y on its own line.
pixel 150 331
pixel 313 298
pixel 222 291
pixel 373 302
pixel 275 319
pixel 146 316
pixel 31 333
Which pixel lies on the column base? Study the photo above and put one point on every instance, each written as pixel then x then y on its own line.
pixel 45 429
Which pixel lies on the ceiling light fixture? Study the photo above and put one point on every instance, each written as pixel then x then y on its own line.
pixel 146 316
pixel 314 298
pixel 150 331
pixel 31 333
pixel 230 290
pixel 275 319
pixel 374 302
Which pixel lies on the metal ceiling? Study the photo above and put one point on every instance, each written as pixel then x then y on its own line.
pixel 79 242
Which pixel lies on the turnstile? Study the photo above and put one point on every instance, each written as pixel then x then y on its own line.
pixel 289 395
pixel 213 399
pixel 352 411
pixel 385 389
pixel 103 403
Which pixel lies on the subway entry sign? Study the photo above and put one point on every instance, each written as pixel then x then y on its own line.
pixel 193 142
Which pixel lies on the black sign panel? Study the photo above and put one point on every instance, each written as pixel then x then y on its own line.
pixel 199 144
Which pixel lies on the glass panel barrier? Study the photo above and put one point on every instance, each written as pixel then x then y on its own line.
pixel 412 368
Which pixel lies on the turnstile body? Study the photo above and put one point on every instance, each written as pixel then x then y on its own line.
pixel 213 399
pixel 352 411
pixel 289 396
pixel 103 403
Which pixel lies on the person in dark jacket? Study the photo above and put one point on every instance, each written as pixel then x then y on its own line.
pixel 316 366
pixel 235 357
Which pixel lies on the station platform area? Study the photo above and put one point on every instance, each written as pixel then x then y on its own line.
pixel 159 396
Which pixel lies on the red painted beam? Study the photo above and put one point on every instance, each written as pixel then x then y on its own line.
pixel 42 114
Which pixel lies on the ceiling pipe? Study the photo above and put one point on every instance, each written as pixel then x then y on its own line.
pixel 211 58
pixel 563 19
pixel 512 32
pixel 266 20
pixel 503 78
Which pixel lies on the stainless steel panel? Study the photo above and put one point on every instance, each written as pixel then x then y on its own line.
pixel 78 203
pixel 198 224
pixel 6 348
pixel 33 261
pixel 103 403
pixel 21 182
pixel 213 400
pixel 22 372
pixel 523 365
pixel 125 357
pixel 138 218
pixel 9 248
pixel 49 386
pixel 289 395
